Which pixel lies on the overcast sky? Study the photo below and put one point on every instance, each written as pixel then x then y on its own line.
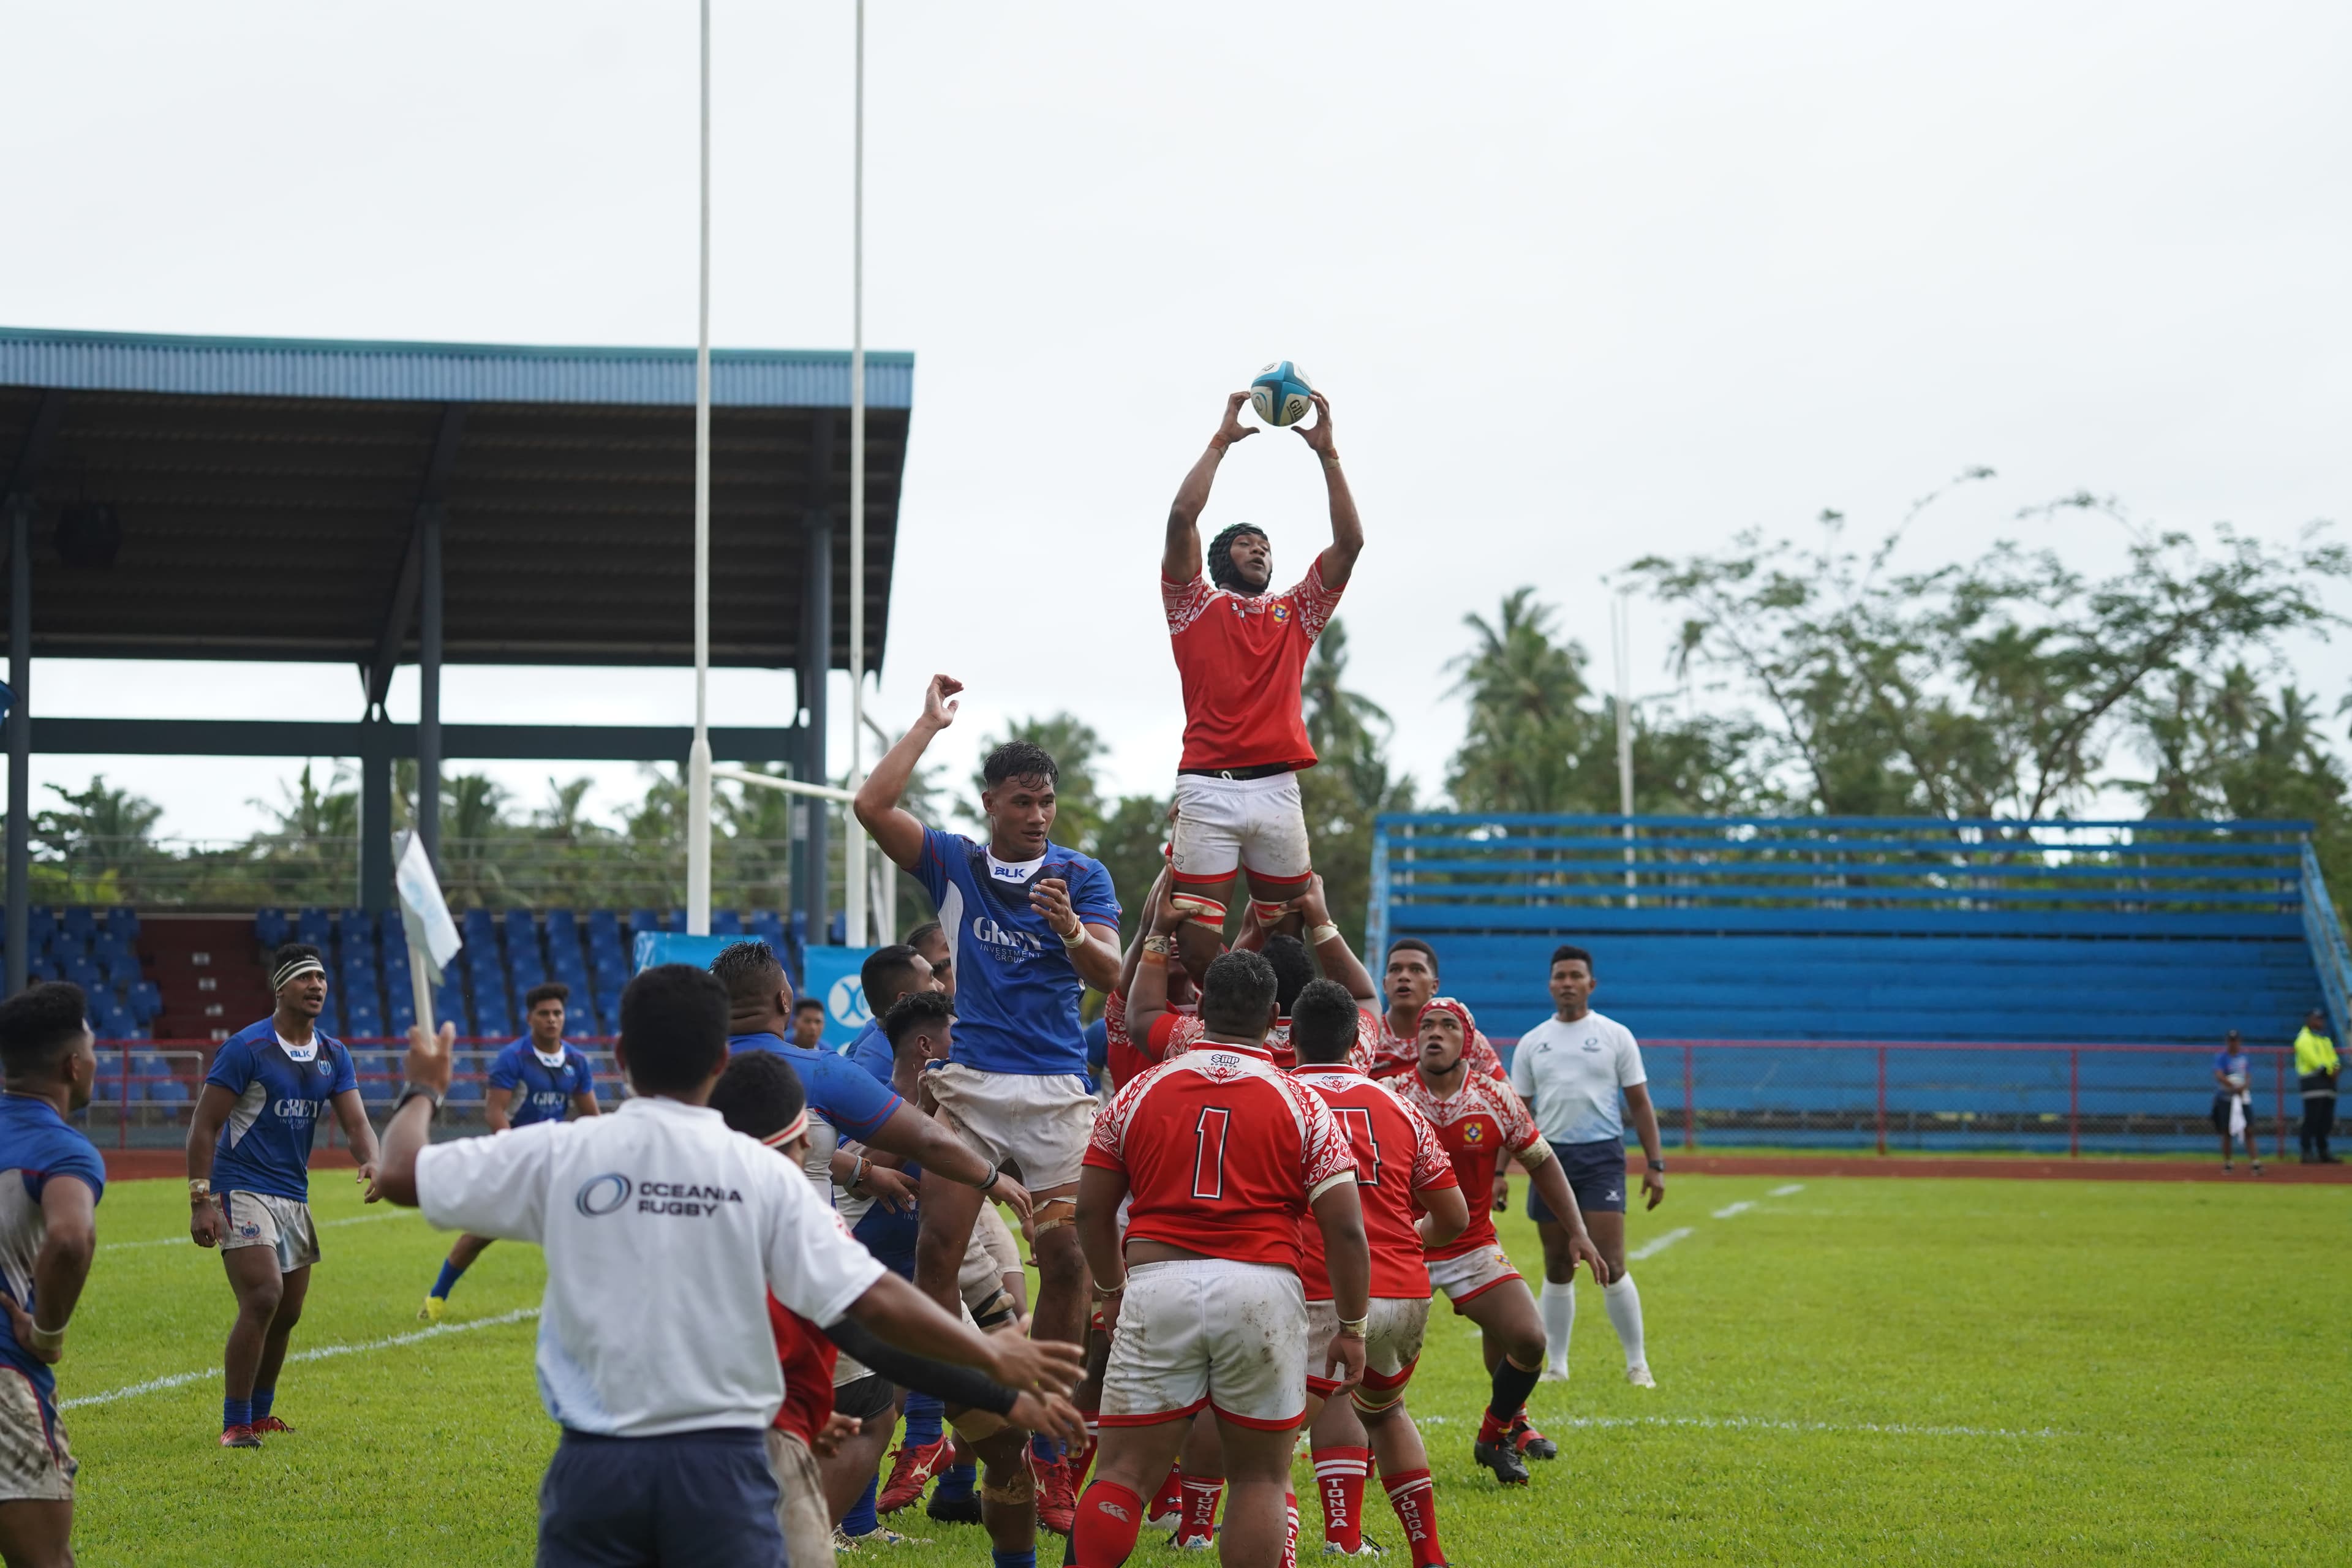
pixel 1582 281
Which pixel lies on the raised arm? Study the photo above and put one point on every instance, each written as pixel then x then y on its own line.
pixel 1181 561
pixel 1347 529
pixel 1337 959
pixel 1147 992
pixel 896 829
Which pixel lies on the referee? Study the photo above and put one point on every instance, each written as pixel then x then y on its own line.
pixel 1570 1069
pixel 665 1233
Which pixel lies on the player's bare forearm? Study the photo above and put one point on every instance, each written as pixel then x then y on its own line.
pixel 1099 1194
pixel 1347 529
pixel 69 1217
pixel 213 1106
pixel 1445 1214
pixel 408 1133
pixel 1645 1123
pixel 495 1104
pixel 351 1112
pixel 584 1104
pixel 1339 1215
pixel 894 1310
pixel 1147 997
pixel 1097 959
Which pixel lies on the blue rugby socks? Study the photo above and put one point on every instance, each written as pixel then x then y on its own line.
pixel 235 1413
pixel 450 1274
pixel 924 1414
pixel 861 1518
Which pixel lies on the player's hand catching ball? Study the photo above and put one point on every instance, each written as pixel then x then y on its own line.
pixel 1233 429
pixel 938 701
pixel 1345 1360
pixel 1318 435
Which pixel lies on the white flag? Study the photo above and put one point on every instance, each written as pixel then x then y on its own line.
pixel 424 912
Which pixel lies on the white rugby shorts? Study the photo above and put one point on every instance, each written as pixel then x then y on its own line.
pixel 1473 1274
pixel 1393 1331
pixel 1038 1121
pixel 1255 823
pixel 1196 1332
pixel 258 1219
pixel 35 1464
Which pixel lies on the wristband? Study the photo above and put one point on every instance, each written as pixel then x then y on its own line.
pixel 1659 1167
pixel 1076 936
pixel 989 1185
pixel 1322 934
pixel 409 1091
pixel 1157 960
pixel 857 1174
pixel 1105 1292
pixel 1355 1328
pixel 48 1338
pixel 199 1189
pixel 1161 945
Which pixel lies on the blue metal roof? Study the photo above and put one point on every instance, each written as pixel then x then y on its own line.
pixel 443 372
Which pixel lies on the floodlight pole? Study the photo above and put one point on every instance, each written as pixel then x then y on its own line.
pixel 697 759
pixel 1620 639
pixel 853 838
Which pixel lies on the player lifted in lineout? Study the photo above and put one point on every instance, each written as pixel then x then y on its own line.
pixel 1242 652
pixel 539 1078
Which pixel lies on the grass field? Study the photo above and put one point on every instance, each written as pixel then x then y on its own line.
pixel 1849 1369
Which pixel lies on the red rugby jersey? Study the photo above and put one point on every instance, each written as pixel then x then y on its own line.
pixel 1242 659
pixel 1393 1056
pixel 808 1358
pixel 1222 1154
pixel 1397 1155
pixel 1478 1124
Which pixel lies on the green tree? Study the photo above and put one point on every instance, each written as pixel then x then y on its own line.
pixel 1528 724
pixel 1995 687
pixel 1075 749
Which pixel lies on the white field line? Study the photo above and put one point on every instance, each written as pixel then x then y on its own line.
pixel 189 1241
pixel 1652 1249
pixel 1791 1191
pixel 323 1352
pixel 1738 1208
pixel 1762 1424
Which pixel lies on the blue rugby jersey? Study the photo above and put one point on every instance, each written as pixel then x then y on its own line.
pixel 871 1050
pixel 36 1146
pixel 541 1093
pixel 1016 990
pixel 838 1089
pixel 265 1146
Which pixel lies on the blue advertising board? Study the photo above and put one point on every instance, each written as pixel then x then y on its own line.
pixel 832 979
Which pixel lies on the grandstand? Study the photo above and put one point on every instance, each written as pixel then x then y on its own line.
pixel 1972 984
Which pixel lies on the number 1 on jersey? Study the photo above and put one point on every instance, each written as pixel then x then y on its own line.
pixel 1209 1152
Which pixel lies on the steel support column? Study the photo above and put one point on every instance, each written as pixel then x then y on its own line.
pixel 20 741
pixel 376 811
pixel 429 684
pixel 812 869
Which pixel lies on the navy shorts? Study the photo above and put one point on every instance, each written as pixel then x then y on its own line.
pixel 1596 1175
pixel 660 1502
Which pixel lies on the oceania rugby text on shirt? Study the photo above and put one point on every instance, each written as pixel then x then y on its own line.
pixel 611 1192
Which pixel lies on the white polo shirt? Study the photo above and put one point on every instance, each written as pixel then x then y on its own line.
pixel 665 1232
pixel 1571 1074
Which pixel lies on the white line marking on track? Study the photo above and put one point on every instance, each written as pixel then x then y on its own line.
pixel 323 1352
pixel 1652 1249
pixel 1738 1208
pixel 1791 1191
pixel 1763 1423
pixel 188 1241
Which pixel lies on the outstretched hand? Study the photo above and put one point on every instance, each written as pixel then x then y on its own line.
pixel 1318 435
pixel 1233 429
pixel 938 701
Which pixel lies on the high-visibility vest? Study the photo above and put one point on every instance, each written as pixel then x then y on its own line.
pixel 2314 1053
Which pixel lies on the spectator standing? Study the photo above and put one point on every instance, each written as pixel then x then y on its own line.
pixel 2314 1071
pixel 2232 1105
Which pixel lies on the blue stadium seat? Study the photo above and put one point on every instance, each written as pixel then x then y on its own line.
pixel 769 927
pixel 271 927
pixel 79 921
pixel 726 922
pixel 311 925
pixel 123 921
pixel 643 921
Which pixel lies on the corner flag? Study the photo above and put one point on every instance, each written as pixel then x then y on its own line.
pixel 425 919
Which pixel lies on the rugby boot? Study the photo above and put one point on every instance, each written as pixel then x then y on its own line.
pixel 1530 1443
pixel 239 1436
pixel 1502 1457
pixel 911 1469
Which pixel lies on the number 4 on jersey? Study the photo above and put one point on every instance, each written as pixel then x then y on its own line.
pixel 1357 1121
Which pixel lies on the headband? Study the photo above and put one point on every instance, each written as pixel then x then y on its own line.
pixel 796 1128
pixel 1448 1005
pixel 293 969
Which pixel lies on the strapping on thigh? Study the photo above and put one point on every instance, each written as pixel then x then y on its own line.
pixel 1053 1212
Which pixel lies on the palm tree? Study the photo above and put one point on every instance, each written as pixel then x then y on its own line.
pixel 1526 718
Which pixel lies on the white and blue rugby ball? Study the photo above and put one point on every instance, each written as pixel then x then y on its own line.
pixel 1281 395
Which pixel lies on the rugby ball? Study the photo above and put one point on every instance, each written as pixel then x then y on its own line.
pixel 1281 395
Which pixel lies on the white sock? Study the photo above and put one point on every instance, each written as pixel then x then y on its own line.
pixel 1624 1305
pixel 1559 1303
